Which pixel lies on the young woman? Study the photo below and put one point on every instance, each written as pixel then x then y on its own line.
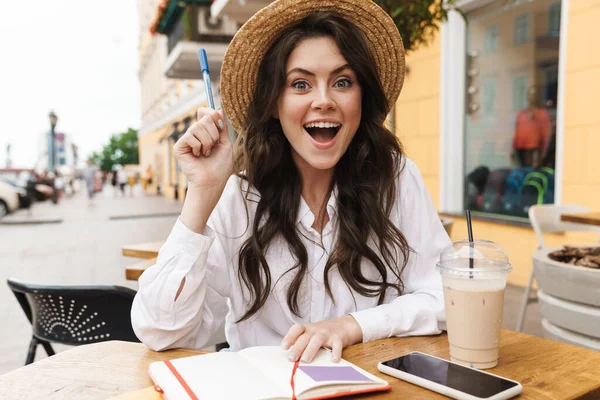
pixel 325 234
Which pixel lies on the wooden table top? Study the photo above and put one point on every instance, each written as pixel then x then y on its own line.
pixel 546 369
pixel 588 218
pixel 142 250
pixel 133 272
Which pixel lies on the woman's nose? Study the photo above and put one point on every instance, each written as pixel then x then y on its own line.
pixel 323 100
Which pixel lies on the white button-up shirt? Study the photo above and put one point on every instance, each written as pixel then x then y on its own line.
pixel 213 291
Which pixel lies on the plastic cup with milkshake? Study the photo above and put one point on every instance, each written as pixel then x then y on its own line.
pixel 474 278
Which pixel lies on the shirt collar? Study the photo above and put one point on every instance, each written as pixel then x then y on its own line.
pixel 307 218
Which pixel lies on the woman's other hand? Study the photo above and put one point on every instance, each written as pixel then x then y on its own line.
pixel 304 341
pixel 205 152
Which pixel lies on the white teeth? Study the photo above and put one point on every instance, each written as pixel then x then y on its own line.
pixel 322 125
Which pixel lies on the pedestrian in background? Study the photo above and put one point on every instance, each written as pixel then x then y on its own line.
pixel 113 181
pixel 121 180
pixel 147 180
pixel 59 183
pixel 131 179
pixel 89 174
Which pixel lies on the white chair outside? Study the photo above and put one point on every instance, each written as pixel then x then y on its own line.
pixel 545 218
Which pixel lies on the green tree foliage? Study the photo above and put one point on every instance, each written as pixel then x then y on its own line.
pixel 417 20
pixel 121 149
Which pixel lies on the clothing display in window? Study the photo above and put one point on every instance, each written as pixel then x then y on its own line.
pixel 531 132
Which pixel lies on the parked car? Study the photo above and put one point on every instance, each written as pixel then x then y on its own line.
pixel 28 179
pixel 9 199
pixel 26 197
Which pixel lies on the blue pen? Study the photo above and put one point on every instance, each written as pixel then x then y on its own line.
pixel 206 77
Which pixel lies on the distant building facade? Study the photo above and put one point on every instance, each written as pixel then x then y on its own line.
pixel 171 32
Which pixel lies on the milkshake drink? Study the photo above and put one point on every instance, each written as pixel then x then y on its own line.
pixel 474 278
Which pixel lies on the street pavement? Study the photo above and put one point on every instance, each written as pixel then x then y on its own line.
pixel 85 248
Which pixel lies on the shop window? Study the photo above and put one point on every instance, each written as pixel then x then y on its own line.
pixel 521 29
pixel 510 118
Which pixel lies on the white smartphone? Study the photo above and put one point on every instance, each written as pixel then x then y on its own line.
pixel 450 379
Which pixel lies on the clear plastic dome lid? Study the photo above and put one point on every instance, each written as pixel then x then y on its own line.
pixel 479 255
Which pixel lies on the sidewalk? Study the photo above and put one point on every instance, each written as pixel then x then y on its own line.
pixel 85 248
pixel 107 205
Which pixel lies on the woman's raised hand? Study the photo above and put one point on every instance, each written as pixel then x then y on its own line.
pixel 205 152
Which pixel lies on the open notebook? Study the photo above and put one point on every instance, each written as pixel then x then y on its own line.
pixel 260 373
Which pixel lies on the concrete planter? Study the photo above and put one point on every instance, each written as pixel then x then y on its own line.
pixel 575 317
pixel 565 281
pixel 554 332
pixel 569 298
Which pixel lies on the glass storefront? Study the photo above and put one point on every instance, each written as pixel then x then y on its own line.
pixel 510 127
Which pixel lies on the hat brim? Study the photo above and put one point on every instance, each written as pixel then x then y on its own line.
pixel 244 54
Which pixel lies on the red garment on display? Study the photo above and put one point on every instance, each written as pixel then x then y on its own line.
pixel 532 129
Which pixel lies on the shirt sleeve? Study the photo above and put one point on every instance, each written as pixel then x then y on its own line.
pixel 160 321
pixel 420 310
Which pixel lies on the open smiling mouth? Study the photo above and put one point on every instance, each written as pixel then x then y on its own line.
pixel 322 132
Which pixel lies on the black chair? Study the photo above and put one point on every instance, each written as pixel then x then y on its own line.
pixel 74 315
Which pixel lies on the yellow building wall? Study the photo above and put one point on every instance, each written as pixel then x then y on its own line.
pixel 417 121
pixel 581 173
pixel 417 114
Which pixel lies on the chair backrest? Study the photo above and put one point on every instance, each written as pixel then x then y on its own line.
pixel 76 314
pixel 546 218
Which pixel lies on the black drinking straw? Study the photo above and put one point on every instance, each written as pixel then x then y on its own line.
pixel 470 231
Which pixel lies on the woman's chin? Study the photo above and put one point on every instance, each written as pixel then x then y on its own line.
pixel 318 160
pixel 323 163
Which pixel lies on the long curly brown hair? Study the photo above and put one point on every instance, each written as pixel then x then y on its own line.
pixel 365 177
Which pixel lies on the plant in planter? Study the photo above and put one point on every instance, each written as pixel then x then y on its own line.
pixel 417 20
pixel 582 256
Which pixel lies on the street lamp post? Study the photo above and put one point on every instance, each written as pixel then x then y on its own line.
pixel 53 120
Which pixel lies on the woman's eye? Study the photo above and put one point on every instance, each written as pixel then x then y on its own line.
pixel 343 83
pixel 300 85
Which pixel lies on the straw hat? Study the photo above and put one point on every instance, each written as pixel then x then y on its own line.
pixel 245 52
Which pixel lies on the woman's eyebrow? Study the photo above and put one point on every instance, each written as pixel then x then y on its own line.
pixel 309 73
